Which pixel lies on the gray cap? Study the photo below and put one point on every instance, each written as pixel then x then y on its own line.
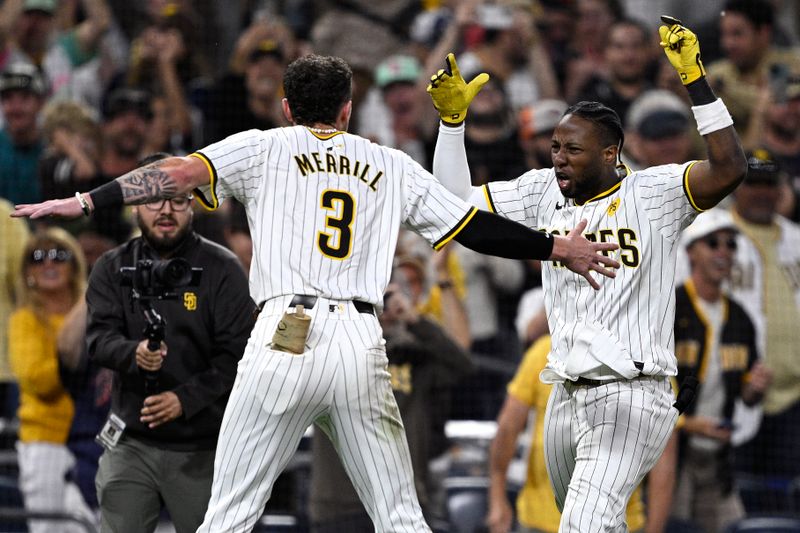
pixel 657 114
pixel 22 77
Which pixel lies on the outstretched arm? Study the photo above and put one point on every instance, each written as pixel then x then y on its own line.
pixel 491 234
pixel 162 179
pixel 712 180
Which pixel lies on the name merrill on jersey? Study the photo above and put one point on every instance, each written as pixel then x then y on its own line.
pixel 338 164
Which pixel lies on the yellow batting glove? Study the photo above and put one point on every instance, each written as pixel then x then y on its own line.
pixel 452 95
pixel 682 49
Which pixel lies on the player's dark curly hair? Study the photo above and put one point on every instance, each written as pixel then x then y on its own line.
pixel 316 88
pixel 606 119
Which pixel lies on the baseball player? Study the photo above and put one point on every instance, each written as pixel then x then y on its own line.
pixel 324 208
pixel 610 411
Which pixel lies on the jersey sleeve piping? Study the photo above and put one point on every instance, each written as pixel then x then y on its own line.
pixel 456 230
pixel 213 203
pixel 489 200
pixel 686 186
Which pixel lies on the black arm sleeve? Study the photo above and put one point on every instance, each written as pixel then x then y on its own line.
pixel 491 234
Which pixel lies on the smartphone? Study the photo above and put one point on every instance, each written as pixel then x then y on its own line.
pixel 779 81
pixel 726 423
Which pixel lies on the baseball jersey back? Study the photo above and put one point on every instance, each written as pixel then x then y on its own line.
pixel 324 210
pixel 631 317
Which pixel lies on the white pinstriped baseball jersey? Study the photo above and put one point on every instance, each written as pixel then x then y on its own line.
pixel 340 194
pixel 631 318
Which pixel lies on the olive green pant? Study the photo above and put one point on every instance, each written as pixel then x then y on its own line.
pixel 134 480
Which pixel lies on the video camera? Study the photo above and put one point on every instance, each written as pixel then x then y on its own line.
pixel 157 280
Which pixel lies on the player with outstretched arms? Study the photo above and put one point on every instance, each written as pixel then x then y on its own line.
pixel 611 410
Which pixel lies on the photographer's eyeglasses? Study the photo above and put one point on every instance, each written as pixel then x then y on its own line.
pixel 715 242
pixel 179 203
pixel 57 255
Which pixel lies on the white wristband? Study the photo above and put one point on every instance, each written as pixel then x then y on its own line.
pixel 712 117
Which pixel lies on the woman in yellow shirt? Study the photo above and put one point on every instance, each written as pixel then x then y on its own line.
pixel 52 281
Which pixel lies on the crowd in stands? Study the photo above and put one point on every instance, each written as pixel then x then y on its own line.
pixel 89 87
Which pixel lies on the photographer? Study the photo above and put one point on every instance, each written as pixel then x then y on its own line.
pixel 163 448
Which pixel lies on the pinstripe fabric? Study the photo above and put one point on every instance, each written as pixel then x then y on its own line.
pixel 342 384
pixel 600 442
pixel 283 204
pixel 631 317
pixel 324 213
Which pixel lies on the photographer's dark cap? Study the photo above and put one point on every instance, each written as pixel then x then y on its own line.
pixel 762 168
pixel 22 77
pixel 124 99
pixel 267 48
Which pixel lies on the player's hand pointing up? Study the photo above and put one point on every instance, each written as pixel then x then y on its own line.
pixel 581 255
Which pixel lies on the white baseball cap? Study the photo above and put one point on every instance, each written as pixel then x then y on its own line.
pixel 708 222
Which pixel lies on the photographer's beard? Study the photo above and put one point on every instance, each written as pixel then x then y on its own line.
pixel 161 237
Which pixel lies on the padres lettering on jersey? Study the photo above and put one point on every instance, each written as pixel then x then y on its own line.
pixel 337 194
pixel 631 318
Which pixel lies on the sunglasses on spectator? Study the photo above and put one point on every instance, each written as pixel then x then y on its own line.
pixel 179 203
pixel 57 255
pixel 716 242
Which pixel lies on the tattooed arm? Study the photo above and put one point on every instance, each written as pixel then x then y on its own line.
pixel 162 179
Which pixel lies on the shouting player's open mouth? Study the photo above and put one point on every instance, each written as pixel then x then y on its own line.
pixel 563 180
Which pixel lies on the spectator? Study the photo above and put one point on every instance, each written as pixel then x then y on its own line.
pixel 22 94
pixel 53 278
pixel 589 41
pixel 493 152
pixel 628 54
pixel 715 341
pixel 659 130
pixel 60 55
pixel 775 125
pixel 166 62
pixel 536 124
pixel 71 160
pixel 424 362
pixel 258 88
pixel 164 454
pixel 397 95
pixel 13 237
pixel 746 28
pixel 512 50
pixel 765 280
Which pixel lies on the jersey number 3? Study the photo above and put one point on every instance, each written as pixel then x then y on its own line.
pixel 336 242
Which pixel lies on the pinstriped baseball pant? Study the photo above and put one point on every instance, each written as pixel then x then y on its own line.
pixel 341 383
pixel 600 442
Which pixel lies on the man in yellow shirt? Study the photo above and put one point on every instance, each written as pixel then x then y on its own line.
pixel 536 508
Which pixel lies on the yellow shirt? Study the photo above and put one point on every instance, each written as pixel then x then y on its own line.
pixel 13 235
pixel 45 408
pixel 536 507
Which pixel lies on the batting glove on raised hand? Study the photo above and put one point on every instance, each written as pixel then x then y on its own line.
pixel 452 95
pixel 682 49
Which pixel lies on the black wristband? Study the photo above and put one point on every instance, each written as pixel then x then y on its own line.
pixel 700 92
pixel 107 195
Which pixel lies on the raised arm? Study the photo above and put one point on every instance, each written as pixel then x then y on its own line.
pixel 162 179
pixel 711 180
pixel 451 97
